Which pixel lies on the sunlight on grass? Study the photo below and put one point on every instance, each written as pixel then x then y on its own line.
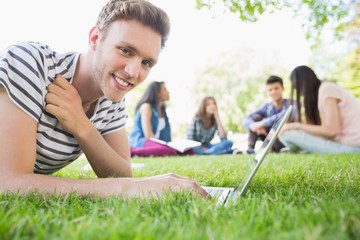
pixel 291 197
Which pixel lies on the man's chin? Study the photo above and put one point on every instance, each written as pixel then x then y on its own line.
pixel 117 98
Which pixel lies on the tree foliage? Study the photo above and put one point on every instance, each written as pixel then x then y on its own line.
pixel 343 68
pixel 335 14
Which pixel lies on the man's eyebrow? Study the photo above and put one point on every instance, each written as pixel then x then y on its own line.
pixel 154 61
pixel 132 48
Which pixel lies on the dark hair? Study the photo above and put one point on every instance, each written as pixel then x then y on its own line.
pixel 201 113
pixel 140 10
pixel 274 79
pixel 306 84
pixel 151 95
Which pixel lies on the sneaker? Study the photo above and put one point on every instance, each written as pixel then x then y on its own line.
pixel 250 151
pixel 236 151
pixel 286 150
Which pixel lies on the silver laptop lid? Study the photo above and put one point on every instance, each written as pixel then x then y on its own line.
pixel 242 187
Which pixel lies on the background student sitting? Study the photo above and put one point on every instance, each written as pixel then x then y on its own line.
pixel 259 122
pixel 203 127
pixel 332 116
pixel 151 121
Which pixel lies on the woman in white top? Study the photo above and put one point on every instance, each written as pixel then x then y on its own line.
pixel 332 116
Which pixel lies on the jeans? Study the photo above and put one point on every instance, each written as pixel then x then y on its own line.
pixel 298 140
pixel 253 137
pixel 223 147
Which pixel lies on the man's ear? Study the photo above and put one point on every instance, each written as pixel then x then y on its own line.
pixel 94 37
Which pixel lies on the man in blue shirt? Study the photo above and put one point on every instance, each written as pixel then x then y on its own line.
pixel 259 122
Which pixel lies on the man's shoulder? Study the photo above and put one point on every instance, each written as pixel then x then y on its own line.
pixel 27 52
pixel 35 49
pixel 28 46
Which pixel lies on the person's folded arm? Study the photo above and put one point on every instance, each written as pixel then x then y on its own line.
pixel 248 119
pixel 330 123
pixel 110 157
pixel 17 160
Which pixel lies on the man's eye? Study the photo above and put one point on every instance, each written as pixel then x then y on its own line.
pixel 147 63
pixel 126 51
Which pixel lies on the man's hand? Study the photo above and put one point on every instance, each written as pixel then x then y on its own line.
pixel 158 185
pixel 64 102
pixel 256 125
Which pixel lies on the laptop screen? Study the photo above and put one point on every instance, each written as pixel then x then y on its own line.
pixel 261 152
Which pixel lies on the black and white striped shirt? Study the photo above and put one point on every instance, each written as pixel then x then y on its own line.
pixel 26 69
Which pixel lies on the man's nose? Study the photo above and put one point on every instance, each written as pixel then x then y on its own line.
pixel 132 68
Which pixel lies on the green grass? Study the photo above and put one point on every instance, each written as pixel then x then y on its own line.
pixel 291 197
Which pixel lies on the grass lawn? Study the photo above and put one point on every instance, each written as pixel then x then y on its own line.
pixel 291 197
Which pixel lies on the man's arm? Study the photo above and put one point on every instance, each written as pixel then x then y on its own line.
pixel 248 120
pixel 270 120
pixel 109 156
pixel 18 154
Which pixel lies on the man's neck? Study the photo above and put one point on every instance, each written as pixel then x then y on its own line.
pixel 278 103
pixel 83 81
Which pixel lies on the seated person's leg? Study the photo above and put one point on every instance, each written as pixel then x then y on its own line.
pixel 199 150
pixel 277 146
pixel 298 140
pixel 223 147
pixel 253 136
pixel 151 148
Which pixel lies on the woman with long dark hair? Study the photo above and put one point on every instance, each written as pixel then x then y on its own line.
pixel 151 121
pixel 331 116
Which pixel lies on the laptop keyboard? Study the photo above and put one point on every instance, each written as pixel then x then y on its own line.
pixel 214 192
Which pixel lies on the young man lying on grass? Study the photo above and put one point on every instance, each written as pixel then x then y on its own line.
pixel 54 107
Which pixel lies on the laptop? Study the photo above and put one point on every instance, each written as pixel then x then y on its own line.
pixel 226 195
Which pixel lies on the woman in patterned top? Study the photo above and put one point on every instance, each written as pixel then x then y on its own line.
pixel 203 127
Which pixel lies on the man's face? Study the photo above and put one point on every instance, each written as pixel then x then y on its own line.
pixel 124 57
pixel 275 91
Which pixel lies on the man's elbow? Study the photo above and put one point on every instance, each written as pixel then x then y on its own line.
pixel 125 172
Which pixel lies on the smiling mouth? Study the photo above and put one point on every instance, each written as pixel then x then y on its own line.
pixel 121 82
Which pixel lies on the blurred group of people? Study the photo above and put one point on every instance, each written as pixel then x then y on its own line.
pixel 324 120
pixel 151 121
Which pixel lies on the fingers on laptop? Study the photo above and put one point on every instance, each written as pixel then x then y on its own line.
pixel 180 183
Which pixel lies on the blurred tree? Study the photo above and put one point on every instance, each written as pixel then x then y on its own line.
pixel 348 67
pixel 339 61
pixel 340 17
pixel 335 14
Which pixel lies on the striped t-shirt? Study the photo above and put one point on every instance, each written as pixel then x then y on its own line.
pixel 26 69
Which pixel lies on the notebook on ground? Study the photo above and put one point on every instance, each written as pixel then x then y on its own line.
pixel 227 195
pixel 180 145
